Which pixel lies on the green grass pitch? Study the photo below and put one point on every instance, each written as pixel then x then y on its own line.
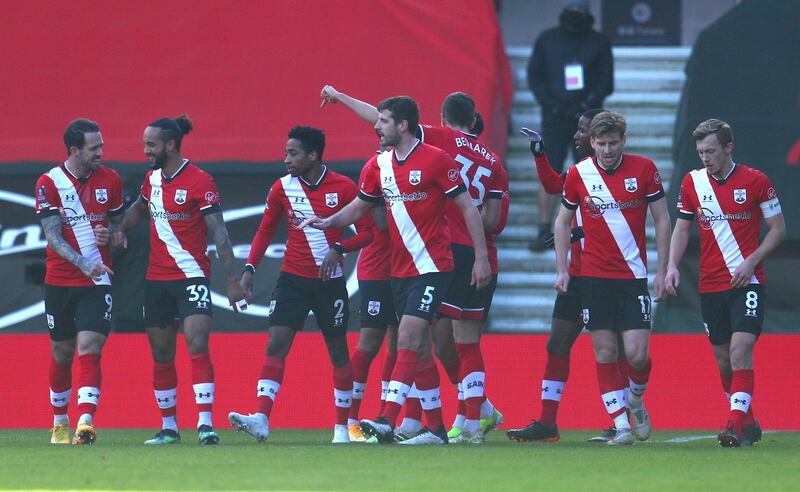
pixel 304 460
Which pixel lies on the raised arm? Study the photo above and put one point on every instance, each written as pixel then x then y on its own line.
pixel 363 110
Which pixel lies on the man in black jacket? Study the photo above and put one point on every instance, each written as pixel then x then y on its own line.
pixel 570 70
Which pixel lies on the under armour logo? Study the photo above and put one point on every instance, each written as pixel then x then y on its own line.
pixel 597 187
pixel 263 390
pixel 92 395
pixel 708 198
pixel 69 198
pixel 611 402
pixel 743 402
pixel 202 304
pixel 204 395
pixel 395 391
pixel 343 400
pixel 357 391
pixel 425 307
pixel 545 389
pixel 750 312
pixel 163 400
pixel 299 199
pixel 59 399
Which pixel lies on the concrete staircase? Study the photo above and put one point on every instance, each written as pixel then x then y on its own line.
pixel 648 83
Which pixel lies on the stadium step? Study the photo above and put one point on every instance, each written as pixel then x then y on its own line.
pixel 648 84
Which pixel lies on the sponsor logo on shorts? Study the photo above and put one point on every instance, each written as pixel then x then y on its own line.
pixel 374 308
pixel 585 314
pixel 705 327
pixel 271 306
pixel 50 321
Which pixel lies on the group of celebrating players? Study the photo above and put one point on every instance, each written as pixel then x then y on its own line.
pixel 433 199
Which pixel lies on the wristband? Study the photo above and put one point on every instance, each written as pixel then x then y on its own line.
pixel 249 268
pixel 339 248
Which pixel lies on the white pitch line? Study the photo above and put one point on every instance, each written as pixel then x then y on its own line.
pixel 700 438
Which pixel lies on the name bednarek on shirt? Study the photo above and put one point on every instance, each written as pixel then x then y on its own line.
pixel 477 148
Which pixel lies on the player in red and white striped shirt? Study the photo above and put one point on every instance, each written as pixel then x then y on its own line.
pixel 729 201
pixel 414 179
pixel 76 202
pixel 183 204
pixel 311 275
pixel 614 191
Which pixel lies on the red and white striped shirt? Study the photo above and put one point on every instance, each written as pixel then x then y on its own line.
pixel 178 206
pixel 82 204
pixel 372 264
pixel 414 190
pixel 728 215
pixel 299 200
pixel 614 209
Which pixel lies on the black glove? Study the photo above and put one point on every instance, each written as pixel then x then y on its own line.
pixel 535 139
pixel 575 235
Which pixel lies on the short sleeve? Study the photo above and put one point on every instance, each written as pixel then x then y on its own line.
pixel 208 198
pixel 144 191
pixel 768 197
pixel 116 195
pixel 47 199
pixel 571 196
pixel 654 190
pixel 685 203
pixel 496 187
pixel 369 185
pixel 447 175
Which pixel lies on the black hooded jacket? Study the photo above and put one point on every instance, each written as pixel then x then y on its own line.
pixel 573 41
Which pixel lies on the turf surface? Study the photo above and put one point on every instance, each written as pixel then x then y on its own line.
pixel 303 460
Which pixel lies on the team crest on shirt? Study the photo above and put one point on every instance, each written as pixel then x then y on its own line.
pixel 180 197
pixel 414 177
pixel 374 308
pixel 631 185
pixel 740 195
pixel 331 199
pixel 101 195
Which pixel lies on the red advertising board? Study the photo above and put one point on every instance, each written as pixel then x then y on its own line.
pixel 684 392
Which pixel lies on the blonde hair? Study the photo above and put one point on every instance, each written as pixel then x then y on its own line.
pixel 608 122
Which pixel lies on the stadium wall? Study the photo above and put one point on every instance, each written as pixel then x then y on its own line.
pixel 684 392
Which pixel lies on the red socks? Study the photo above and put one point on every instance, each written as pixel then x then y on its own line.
pixel 203 381
pixel 473 378
pixel 342 392
pixel 60 387
pixel 165 386
pixel 742 385
pixel 269 384
pixel 556 372
pixel 402 377
pixel 89 383
pixel 638 378
pixel 427 381
pixel 360 362
pixel 612 388
pixel 386 376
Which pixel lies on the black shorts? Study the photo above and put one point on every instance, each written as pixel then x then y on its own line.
pixel 294 296
pixel 615 304
pixel 568 305
pixel 461 299
pixel 419 296
pixel 487 294
pixel 377 304
pixel 733 310
pixel 168 300
pixel 73 309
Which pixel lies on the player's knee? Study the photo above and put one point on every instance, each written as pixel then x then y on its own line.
pixel 63 353
pixel 278 346
pixel 637 357
pixel 605 354
pixel 369 344
pixel 445 352
pixel 558 345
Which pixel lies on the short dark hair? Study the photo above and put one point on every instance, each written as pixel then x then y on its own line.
pixel 589 114
pixel 608 122
pixel 402 108
pixel 721 129
pixel 173 129
pixel 459 109
pixel 477 128
pixel 75 134
pixel 310 138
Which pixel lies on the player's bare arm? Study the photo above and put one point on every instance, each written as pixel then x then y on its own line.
pixel 677 247
pixel 132 217
pixel 658 209
pixel 53 233
pixel 219 233
pixel 562 232
pixel 490 214
pixel 776 231
pixel 363 110
pixel 379 216
pixel 481 271
pixel 343 218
